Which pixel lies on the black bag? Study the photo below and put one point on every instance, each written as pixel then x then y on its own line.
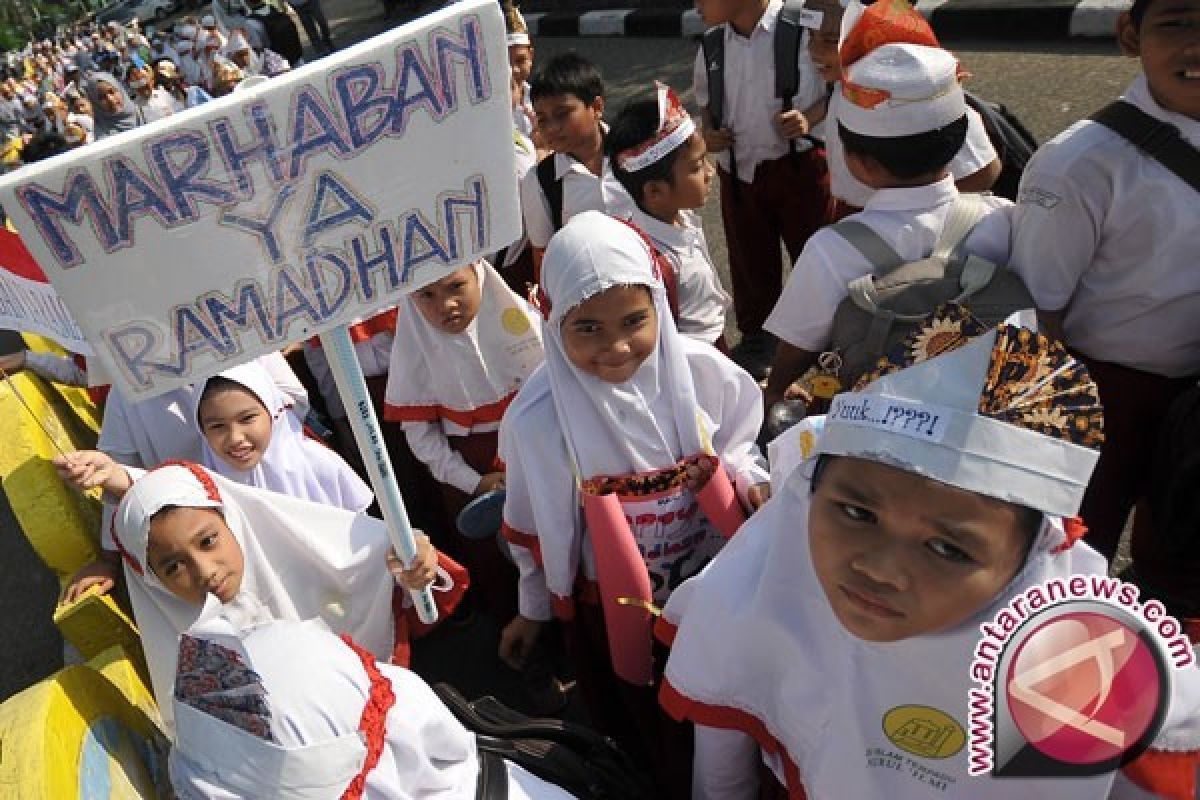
pixel 579 760
pixel 1013 142
pixel 1158 139
pixel 1174 500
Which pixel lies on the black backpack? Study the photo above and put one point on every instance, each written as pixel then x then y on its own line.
pixel 282 36
pixel 1013 142
pixel 575 758
pixel 789 33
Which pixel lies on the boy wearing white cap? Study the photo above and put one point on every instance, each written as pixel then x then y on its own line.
pixel 901 121
pixel 1106 237
pixel 838 633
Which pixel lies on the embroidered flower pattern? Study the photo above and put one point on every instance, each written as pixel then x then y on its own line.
pixel 213 679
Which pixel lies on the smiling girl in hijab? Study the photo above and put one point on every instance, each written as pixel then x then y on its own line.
pixel 625 409
pixel 112 110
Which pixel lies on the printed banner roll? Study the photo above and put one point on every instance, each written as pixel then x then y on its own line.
pixel 622 574
pixel 719 502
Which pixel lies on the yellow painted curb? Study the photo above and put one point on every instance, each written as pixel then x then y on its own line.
pixel 75 736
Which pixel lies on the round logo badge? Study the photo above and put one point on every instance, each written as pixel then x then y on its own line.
pixel 1085 687
pixel 515 321
pixel 924 731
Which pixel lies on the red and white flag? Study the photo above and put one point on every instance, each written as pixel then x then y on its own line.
pixel 28 302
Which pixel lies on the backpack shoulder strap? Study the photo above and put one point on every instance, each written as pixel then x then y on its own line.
pixel 873 247
pixel 552 188
pixel 788 32
pixel 1158 139
pixel 713 46
pixel 964 215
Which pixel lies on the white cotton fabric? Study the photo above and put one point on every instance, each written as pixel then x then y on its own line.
pixel 1108 235
pixel 293 464
pixel 302 560
pixel 750 101
pixel 921 84
pixel 566 425
pixel 910 220
pixel 483 365
pixel 702 301
pixel 315 713
pixel 756 634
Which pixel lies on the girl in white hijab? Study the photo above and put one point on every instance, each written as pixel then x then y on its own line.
pixel 628 418
pixel 836 637
pixel 251 436
pixel 250 726
pixel 464 345
pixel 188 536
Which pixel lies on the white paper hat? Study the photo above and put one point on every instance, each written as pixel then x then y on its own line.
pixel 1007 414
pixel 901 90
pixel 237 43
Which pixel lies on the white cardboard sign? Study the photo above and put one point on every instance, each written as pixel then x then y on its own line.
pixel 270 215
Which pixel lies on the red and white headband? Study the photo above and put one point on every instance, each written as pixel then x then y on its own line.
pixel 675 126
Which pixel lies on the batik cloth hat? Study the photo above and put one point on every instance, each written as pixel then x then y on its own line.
pixel 901 90
pixel 866 27
pixel 675 126
pixel 1007 414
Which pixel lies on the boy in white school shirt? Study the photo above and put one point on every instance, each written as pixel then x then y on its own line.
pixel 658 156
pixel 903 119
pixel 1107 239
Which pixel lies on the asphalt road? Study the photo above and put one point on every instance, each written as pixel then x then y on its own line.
pixel 1049 86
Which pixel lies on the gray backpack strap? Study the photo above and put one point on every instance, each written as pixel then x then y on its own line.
pixel 873 247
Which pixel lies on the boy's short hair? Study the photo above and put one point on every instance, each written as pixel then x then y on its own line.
pixel 637 123
pixel 1138 12
pixel 909 157
pixel 567 73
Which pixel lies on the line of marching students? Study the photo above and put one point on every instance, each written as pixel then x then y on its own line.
pixel 608 409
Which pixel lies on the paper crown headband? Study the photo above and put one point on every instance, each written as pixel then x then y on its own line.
pixel 1004 413
pixel 514 22
pixel 864 28
pixel 675 126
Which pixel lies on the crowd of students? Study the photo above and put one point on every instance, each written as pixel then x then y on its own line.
pixel 584 372
pixel 58 95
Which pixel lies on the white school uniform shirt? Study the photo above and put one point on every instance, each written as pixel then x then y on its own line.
pixel 910 220
pixel 703 303
pixel 750 101
pixel 581 191
pixel 975 154
pixel 566 425
pixel 1112 236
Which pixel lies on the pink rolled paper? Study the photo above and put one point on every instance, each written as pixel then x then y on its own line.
pixel 719 502
pixel 622 573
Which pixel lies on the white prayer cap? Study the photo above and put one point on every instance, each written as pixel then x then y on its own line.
pixel 1007 413
pixel 208 21
pixel 187 32
pixel 901 90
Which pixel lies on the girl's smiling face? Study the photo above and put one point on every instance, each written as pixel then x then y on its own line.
pixel 235 424
pixel 610 334
pixel 899 555
pixel 452 303
pixel 194 553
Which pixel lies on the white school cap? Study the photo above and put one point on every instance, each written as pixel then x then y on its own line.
pixel 1004 413
pixel 901 90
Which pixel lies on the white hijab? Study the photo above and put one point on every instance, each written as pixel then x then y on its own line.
pixel 758 640
pixel 649 422
pixel 293 464
pixel 315 713
pixel 465 379
pixel 302 560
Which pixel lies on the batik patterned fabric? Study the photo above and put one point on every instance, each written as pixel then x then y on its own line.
pixel 1034 383
pixel 648 483
pixel 213 679
pixel 948 328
